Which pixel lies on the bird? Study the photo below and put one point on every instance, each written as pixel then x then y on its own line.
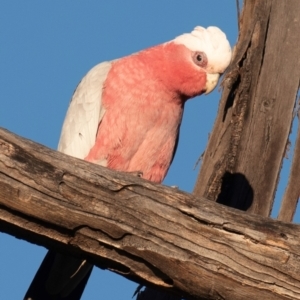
pixel 125 115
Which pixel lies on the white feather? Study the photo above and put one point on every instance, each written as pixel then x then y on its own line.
pixel 213 42
pixel 85 112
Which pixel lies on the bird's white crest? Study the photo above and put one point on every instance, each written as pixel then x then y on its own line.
pixel 213 42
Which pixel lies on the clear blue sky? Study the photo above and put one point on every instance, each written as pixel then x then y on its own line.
pixel 46 47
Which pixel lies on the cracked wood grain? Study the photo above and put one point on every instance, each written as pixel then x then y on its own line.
pixel 242 162
pixel 147 232
pixel 292 191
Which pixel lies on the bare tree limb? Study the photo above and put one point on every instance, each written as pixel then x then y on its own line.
pixel 242 162
pixel 292 192
pixel 147 232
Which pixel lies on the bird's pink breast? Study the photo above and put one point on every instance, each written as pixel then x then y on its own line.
pixel 140 126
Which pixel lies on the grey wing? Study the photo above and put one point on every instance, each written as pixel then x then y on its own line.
pixel 84 114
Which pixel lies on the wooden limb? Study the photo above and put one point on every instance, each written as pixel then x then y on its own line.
pixel 149 233
pixel 292 192
pixel 242 162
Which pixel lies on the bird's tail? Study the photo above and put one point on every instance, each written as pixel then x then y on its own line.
pixel 59 277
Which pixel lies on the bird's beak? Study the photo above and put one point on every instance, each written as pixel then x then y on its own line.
pixel 211 82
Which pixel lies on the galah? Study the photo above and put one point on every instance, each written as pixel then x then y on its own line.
pixel 125 115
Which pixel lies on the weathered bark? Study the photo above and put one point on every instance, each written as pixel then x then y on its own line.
pixel 147 232
pixel 292 192
pixel 242 162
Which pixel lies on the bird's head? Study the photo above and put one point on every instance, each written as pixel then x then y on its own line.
pixel 196 60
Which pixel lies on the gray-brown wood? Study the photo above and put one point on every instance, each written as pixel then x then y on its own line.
pixel 242 162
pixel 292 192
pixel 144 231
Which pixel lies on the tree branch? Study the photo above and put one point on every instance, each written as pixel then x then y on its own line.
pixel 292 191
pixel 147 232
pixel 243 159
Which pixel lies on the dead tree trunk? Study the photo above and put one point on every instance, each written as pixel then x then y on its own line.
pixel 243 159
pixel 144 231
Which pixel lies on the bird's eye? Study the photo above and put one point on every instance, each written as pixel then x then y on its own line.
pixel 199 58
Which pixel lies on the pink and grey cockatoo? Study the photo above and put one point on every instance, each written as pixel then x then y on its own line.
pixel 125 115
